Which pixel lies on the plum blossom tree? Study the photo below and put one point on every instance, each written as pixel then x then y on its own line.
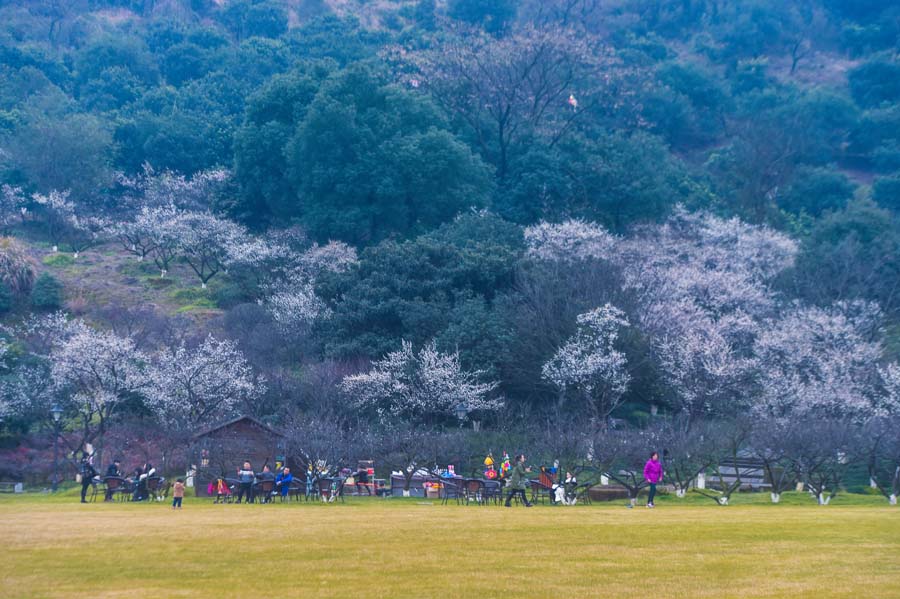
pixel 890 377
pixel 190 386
pixel 292 301
pixel 12 206
pixel 97 371
pixel 209 243
pixel 703 285
pixel 701 360
pixel 589 365
pixel 881 451
pixel 166 188
pixel 569 241
pixel 821 361
pixel 422 386
pixel 155 231
pixel 822 450
pixel 85 232
pixel 57 210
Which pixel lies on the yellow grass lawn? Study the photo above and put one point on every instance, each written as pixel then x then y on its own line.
pixel 409 548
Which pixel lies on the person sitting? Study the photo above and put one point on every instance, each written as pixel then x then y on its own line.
pixel 283 482
pixel 112 471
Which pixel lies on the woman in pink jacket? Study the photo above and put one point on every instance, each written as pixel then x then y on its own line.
pixel 653 473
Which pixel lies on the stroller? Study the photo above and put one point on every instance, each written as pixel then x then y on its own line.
pixel 220 489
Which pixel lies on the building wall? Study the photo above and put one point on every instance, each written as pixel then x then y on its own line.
pixel 224 451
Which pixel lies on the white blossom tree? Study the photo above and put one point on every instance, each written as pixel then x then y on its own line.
pixel 589 364
pixel 12 205
pixel 57 210
pixel 821 361
pixel 189 386
pixel 158 231
pixel 292 301
pixel 85 232
pixel 167 188
pixel 569 241
pixel 703 285
pixel 209 243
pixel 97 370
pixel 890 378
pixel 424 385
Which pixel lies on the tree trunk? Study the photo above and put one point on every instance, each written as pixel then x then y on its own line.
pixel 892 500
pixel 776 497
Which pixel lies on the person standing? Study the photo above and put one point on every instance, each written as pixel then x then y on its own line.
pixel 177 493
pixel 245 483
pixel 653 474
pixel 518 480
pixel 265 475
pixel 87 476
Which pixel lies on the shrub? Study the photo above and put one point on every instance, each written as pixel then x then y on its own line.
pixel 47 293
pixel 17 268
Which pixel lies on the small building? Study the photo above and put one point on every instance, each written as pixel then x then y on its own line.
pixel 222 449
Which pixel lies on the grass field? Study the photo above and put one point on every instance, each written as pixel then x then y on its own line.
pixel 415 548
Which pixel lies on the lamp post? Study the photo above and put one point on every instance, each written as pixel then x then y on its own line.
pixel 461 411
pixel 56 413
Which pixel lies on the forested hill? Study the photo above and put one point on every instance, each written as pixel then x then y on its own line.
pixel 548 205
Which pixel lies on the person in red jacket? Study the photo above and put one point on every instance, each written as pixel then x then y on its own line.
pixel 653 474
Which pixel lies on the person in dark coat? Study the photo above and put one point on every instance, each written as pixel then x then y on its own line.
pixel 112 471
pixel 517 481
pixel 87 477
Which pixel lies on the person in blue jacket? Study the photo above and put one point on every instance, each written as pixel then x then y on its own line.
pixel 283 482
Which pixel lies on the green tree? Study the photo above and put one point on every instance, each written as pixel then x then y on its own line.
pixel 370 160
pixel 615 179
pixel 272 116
pixel 47 293
pixel 852 254
pixel 886 192
pixel 874 82
pixel 493 15
pixel 63 151
pixel 446 284
pixel 815 190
